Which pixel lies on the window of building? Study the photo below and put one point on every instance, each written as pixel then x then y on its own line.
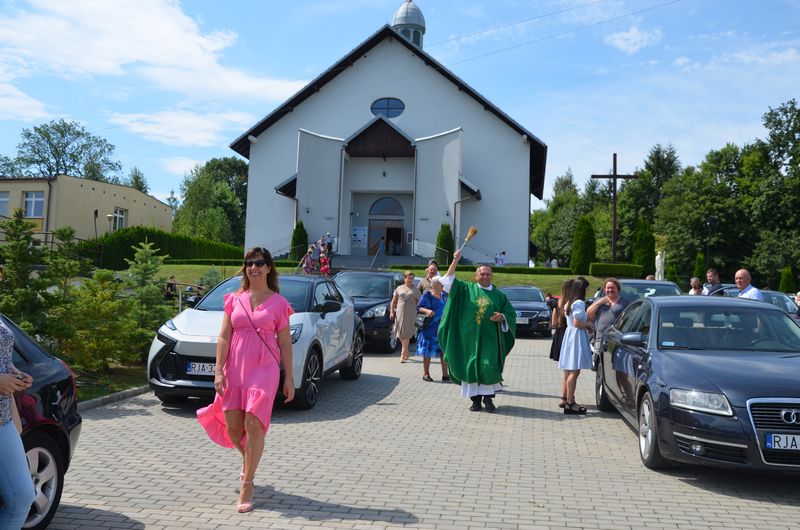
pixel 389 107
pixel 34 203
pixel 416 39
pixel 386 206
pixel 4 203
pixel 120 218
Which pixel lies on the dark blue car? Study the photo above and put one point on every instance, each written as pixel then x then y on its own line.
pixel 706 380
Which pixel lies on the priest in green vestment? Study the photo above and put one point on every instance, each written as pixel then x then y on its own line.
pixel 476 333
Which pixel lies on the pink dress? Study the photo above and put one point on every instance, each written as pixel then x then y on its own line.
pixel 252 369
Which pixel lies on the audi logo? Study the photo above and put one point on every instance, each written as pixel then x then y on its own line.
pixel 790 416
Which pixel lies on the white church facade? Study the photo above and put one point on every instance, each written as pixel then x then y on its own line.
pixel 389 143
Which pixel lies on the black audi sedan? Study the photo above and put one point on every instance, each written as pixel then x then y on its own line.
pixel 372 293
pixel 50 423
pixel 533 314
pixel 706 380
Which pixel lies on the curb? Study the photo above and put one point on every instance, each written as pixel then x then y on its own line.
pixel 83 406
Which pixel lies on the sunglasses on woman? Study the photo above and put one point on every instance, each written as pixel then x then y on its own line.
pixel 257 262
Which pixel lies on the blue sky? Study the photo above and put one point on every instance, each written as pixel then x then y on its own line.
pixel 172 83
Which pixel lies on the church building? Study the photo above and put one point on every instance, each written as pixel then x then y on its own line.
pixel 388 143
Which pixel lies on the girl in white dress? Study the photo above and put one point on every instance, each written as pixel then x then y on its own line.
pixel 576 353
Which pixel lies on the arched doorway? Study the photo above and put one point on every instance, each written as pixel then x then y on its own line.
pixel 386 220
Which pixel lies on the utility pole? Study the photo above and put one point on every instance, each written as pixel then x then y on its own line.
pixel 614 176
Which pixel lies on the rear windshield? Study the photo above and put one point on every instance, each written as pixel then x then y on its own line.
pixel 524 295
pixel 364 285
pixel 643 290
pixel 728 328
pixel 294 291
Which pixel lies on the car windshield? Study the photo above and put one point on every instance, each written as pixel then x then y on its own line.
pixel 727 328
pixel 294 291
pixel 643 290
pixel 523 295
pixel 364 285
pixel 771 297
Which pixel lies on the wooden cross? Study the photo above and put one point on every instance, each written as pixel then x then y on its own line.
pixel 613 176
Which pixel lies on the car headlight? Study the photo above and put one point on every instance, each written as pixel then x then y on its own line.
pixel 377 311
pixel 295 330
pixel 171 325
pixel 709 402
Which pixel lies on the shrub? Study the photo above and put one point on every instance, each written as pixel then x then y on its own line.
pixel 699 267
pixel 787 284
pixel 299 242
pixel 584 246
pixel 672 274
pixel 445 245
pixel 118 246
pixel 615 270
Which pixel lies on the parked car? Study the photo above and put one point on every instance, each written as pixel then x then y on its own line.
pixel 327 335
pixel 780 300
pixel 372 293
pixel 51 423
pixel 533 314
pixel 635 289
pixel 706 380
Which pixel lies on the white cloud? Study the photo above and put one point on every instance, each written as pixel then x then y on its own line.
pixel 633 40
pixel 153 38
pixel 183 128
pixel 179 165
pixel 16 105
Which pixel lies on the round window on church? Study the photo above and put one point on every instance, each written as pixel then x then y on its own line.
pixel 389 107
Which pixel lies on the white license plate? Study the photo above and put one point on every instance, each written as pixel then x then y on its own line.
pixel 783 441
pixel 522 320
pixel 200 368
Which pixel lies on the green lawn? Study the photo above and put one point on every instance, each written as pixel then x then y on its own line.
pixel 117 378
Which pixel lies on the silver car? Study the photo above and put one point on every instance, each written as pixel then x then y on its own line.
pixel 327 335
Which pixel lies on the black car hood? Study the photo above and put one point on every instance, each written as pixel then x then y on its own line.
pixel 529 306
pixel 362 304
pixel 739 375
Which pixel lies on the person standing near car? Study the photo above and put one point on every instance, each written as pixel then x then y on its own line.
pixel 16 489
pixel 432 304
pixel 253 343
pixel 694 286
pixel 430 273
pixel 712 281
pixel 576 354
pixel 604 311
pixel 403 311
pixel 477 332
pixel 746 289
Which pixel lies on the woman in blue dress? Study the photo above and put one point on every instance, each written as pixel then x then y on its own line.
pixel 576 353
pixel 432 303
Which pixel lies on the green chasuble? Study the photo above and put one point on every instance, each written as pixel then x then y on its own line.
pixel 474 347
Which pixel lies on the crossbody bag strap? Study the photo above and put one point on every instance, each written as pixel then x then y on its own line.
pixel 277 359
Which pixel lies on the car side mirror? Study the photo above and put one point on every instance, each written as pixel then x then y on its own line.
pixel 638 340
pixel 191 301
pixel 330 306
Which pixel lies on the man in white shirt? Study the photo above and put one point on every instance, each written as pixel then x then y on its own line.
pixel 746 290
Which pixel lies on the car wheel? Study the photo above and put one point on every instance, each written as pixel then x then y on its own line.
pixel 392 342
pixel 649 449
pixel 306 396
pixel 47 467
pixel 172 400
pixel 600 393
pixel 354 370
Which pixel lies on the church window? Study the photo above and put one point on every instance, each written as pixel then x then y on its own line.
pixel 416 39
pixel 386 206
pixel 389 107
pixel 406 33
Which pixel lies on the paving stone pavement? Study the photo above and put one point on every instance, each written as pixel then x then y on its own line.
pixel 393 451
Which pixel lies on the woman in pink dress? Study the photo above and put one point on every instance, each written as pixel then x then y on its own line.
pixel 253 342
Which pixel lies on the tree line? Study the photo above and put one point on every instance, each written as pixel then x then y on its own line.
pixel 739 207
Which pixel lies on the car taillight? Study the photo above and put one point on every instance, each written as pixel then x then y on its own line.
pixel 72 375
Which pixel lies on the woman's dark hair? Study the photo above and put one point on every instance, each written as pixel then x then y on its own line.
pixel 272 275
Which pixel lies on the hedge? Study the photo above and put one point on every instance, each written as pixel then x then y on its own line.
pixel 615 270
pixel 118 245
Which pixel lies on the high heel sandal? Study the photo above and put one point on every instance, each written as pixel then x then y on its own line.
pixel 574 408
pixel 244 507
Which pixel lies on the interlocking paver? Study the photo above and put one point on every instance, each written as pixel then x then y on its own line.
pixel 393 451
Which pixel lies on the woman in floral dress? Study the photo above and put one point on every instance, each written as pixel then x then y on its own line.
pixel 432 304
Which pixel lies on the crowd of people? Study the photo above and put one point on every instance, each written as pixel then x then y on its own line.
pixel 319 256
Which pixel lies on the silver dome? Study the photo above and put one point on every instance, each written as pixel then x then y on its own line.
pixel 409 14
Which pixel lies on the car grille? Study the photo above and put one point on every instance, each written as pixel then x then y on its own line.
pixel 724 453
pixel 768 416
pixel 527 314
pixel 173 367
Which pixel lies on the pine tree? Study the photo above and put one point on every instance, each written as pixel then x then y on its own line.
pixel 445 245
pixel 299 242
pixel 584 246
pixel 788 284
pixel 699 267
pixel 644 247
